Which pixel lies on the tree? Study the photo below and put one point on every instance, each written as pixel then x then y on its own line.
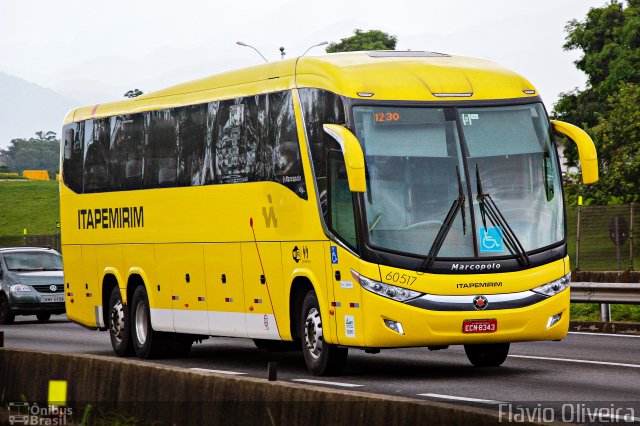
pixel 609 39
pixel 361 40
pixel 133 93
pixel 39 153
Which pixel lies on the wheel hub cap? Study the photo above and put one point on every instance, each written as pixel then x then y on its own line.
pixel 313 333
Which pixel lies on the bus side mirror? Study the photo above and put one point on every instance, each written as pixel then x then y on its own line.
pixel 586 149
pixel 353 155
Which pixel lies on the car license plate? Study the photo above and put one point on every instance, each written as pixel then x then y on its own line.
pixel 52 299
pixel 480 326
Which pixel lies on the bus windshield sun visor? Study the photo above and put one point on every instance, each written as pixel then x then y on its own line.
pixel 489 209
pixel 458 204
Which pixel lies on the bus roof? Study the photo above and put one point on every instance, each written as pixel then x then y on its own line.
pixel 379 75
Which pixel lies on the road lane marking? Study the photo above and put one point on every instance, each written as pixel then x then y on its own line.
pixel 627 418
pixel 580 361
pixel 461 398
pixel 604 334
pixel 206 370
pixel 322 382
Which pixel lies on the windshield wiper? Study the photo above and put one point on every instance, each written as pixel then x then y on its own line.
pixel 488 208
pixel 441 236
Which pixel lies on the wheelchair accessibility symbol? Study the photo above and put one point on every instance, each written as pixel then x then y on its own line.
pixel 490 239
pixel 334 254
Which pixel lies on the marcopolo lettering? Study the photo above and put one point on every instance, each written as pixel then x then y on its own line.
pixel 475 267
pixel 111 217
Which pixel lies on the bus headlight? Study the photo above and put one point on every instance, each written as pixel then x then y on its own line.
pixel 19 287
pixel 387 290
pixel 554 287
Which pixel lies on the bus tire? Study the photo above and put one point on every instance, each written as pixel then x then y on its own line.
pixel 119 330
pixel 6 316
pixel 276 345
pixel 322 359
pixel 487 355
pixel 147 343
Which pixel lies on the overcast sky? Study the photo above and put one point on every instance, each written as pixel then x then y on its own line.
pixel 95 50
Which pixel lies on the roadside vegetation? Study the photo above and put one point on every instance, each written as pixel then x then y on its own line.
pixel 33 205
pixel 591 312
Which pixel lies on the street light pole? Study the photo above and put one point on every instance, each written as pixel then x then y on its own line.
pixel 315 45
pixel 248 45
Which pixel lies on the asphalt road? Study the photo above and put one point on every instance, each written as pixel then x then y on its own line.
pixel 599 371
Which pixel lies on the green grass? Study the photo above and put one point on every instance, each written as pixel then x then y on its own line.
pixel 591 312
pixel 33 205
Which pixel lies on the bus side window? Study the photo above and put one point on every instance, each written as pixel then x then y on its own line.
pixel 73 162
pixel 230 149
pixel 341 212
pixel 191 129
pixel 284 145
pixel 96 153
pixel 125 158
pixel 320 107
pixel 160 168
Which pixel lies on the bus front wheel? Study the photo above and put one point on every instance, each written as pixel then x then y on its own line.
pixel 322 358
pixel 487 355
pixel 119 330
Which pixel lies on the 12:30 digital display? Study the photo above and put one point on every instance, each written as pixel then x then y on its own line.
pixel 386 117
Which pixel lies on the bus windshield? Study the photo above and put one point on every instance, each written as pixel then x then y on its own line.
pixel 485 180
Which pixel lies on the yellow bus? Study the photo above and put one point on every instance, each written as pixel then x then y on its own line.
pixel 360 200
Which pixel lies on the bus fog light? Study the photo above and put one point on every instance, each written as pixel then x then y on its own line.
pixel 394 325
pixel 554 319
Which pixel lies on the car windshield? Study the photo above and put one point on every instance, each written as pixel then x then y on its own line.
pixel 33 261
pixel 432 172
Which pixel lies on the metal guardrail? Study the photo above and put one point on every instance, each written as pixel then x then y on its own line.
pixel 626 293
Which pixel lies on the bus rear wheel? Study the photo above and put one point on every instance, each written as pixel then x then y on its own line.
pixel 119 330
pixel 487 355
pixel 147 343
pixel 322 358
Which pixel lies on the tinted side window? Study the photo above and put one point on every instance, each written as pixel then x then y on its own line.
pixel 283 143
pixel 231 157
pixel 321 107
pixel 96 144
pixel 208 164
pixel 160 168
pixel 126 154
pixel 190 130
pixel 72 157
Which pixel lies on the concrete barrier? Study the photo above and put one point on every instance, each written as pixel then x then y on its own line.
pixel 128 388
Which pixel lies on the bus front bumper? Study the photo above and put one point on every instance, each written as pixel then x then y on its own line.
pixel 423 327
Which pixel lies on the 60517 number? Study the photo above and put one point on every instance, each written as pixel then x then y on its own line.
pixel 397 277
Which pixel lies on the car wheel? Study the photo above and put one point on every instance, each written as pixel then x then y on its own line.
pixel 43 317
pixel 487 355
pixel 322 358
pixel 119 329
pixel 6 317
